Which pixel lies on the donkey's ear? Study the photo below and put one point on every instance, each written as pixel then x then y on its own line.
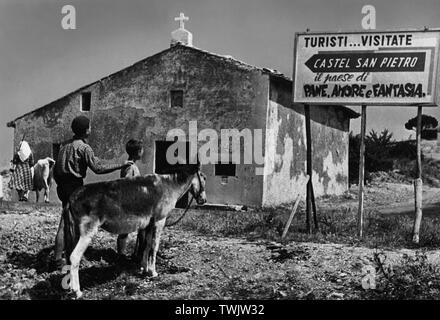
pixel 194 168
pixel 191 168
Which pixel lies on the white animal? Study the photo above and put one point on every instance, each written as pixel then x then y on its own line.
pixel 42 177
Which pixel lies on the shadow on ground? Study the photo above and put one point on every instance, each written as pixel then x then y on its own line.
pixel 98 267
pixel 42 261
pixel 51 288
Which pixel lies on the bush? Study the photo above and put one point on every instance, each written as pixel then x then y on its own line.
pixel 429 134
pixel 413 278
pixel 378 149
pixel 430 170
pixel 403 149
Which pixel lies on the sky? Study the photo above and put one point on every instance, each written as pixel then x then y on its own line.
pixel 40 61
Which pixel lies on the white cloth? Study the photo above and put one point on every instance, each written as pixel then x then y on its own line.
pixel 25 151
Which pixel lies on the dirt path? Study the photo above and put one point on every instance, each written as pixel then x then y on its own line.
pixel 191 266
pixel 431 204
pixel 387 198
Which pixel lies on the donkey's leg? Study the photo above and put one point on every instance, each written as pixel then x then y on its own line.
pixel 148 231
pixel 121 243
pixel 154 232
pixel 159 225
pixel 37 195
pixel 140 245
pixel 87 234
pixel 46 191
pixel 46 195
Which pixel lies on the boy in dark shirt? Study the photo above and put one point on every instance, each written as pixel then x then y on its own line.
pixel 134 150
pixel 70 169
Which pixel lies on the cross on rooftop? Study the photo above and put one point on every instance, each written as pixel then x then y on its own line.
pixel 181 20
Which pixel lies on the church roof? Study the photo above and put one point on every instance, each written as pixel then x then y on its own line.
pixel 226 58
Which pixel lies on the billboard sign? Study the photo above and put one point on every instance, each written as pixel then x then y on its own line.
pixel 371 68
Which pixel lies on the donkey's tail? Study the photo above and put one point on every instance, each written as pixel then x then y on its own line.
pixel 70 231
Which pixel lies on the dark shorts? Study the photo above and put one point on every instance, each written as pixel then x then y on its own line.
pixel 64 190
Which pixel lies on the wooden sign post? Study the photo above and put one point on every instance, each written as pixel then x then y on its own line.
pixel 310 195
pixel 294 208
pixel 1 190
pixel 360 222
pixel 418 184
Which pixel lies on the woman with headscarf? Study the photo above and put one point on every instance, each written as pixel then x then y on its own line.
pixel 21 178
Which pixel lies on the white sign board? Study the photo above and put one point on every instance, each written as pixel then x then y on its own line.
pixel 371 68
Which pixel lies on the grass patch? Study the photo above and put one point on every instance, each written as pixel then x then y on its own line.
pixel 336 226
pixel 413 278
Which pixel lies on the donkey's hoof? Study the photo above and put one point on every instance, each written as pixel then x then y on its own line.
pixel 151 274
pixel 73 295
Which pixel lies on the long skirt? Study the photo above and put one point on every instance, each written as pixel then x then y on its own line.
pixel 21 178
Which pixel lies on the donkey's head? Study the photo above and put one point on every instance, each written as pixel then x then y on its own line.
pixel 198 179
pixel 197 188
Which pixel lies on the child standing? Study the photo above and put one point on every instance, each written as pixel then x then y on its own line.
pixel 134 150
pixel 74 158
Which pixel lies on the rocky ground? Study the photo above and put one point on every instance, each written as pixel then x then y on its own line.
pixel 191 265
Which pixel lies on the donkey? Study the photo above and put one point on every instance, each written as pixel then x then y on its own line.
pixel 42 176
pixel 124 206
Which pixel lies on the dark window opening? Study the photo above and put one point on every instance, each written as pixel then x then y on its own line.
pixel 176 98
pixel 86 98
pixel 55 151
pixel 162 166
pixel 225 169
